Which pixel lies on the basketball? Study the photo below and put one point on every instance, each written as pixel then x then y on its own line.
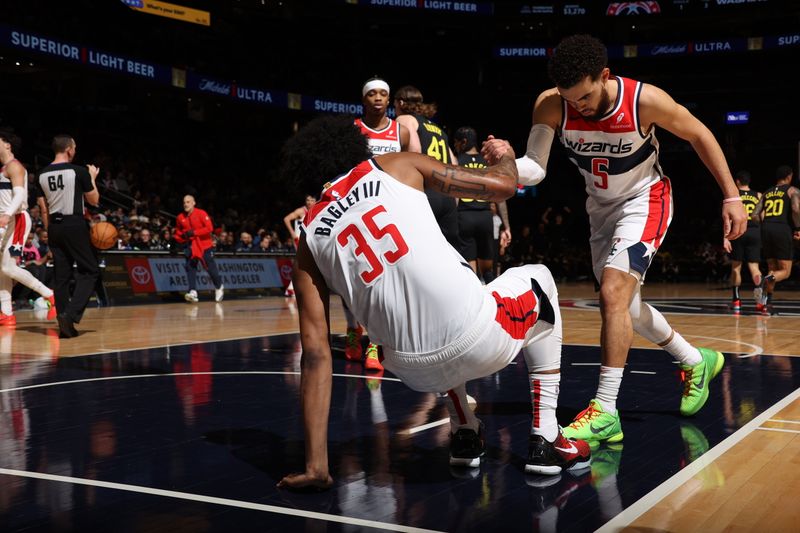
pixel 103 235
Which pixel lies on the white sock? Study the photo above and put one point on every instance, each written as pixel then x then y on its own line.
pixel 608 388
pixel 544 397
pixel 682 351
pixel 5 295
pixel 460 413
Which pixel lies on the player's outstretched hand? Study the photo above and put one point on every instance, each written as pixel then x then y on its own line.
pixel 734 220
pixel 306 481
pixel 494 149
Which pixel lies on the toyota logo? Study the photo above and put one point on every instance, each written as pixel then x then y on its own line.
pixel 286 272
pixel 140 275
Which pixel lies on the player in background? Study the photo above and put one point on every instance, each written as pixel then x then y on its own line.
pixel 746 248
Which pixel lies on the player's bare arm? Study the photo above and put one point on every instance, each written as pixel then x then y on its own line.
pixel 794 194
pixel 656 107
pixel 495 183
pixel 316 370
pixel 291 217
pixel 532 166
pixel 411 124
pixel 405 137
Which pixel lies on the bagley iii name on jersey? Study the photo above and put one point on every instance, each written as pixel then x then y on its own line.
pixel 368 189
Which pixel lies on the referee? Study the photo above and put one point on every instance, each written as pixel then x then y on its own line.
pixel 62 189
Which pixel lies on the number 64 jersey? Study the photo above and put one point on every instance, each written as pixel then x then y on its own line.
pixel 377 244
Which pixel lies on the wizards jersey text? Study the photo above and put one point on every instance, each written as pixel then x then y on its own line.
pixel 385 141
pixel 615 158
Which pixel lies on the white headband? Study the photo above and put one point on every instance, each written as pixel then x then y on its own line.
pixel 374 84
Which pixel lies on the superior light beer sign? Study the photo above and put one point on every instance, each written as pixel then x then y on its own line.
pixel 164 9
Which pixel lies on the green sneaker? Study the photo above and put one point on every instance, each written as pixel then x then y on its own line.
pixel 696 379
pixel 595 424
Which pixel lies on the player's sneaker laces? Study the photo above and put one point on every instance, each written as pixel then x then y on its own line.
pixel 8 320
pixel 593 423
pixel 696 379
pixel 191 296
pixel 371 359
pixel 352 344
pixel 219 294
pixel 550 458
pixel 467 447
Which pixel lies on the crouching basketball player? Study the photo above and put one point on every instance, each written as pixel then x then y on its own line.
pixel 372 238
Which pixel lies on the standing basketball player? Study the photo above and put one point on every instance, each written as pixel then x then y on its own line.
pixel 384 136
pixel 429 138
pixel 607 125
pixel 193 227
pixel 63 188
pixel 372 239
pixel 294 223
pixel 475 224
pixel 747 247
pixel 15 225
pixel 779 210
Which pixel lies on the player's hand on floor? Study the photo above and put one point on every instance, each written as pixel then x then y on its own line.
pixel 305 480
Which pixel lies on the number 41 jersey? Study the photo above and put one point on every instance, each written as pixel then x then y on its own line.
pixel 377 244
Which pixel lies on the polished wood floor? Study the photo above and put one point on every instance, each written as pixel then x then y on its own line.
pixel 751 480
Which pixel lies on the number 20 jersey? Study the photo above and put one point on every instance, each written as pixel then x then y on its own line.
pixel 615 159
pixel 377 244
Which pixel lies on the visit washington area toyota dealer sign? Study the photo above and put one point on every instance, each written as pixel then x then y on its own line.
pixel 169 274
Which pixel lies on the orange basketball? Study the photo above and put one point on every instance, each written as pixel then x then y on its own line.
pixel 103 235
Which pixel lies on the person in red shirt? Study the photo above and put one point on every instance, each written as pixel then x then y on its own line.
pixel 194 227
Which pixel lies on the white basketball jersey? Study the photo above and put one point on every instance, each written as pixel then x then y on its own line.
pixel 615 159
pixel 377 244
pixel 7 193
pixel 385 141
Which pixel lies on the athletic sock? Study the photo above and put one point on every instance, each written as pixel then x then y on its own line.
pixel 608 388
pixel 736 293
pixel 460 414
pixel 682 351
pixel 544 398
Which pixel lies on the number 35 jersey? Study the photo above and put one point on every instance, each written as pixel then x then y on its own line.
pixel 616 160
pixel 377 244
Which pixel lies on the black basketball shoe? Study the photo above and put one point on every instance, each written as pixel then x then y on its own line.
pixel 550 458
pixel 467 447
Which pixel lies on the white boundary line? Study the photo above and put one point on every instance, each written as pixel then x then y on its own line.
pixel 647 502
pixel 214 500
pixel 796 431
pixel 783 421
pixel 255 372
pixel 423 427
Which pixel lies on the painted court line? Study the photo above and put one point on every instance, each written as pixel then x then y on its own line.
pixel 630 514
pixel 423 427
pixel 257 372
pixel 784 421
pixel 780 430
pixel 213 500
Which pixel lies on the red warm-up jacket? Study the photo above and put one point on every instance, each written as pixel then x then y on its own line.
pixel 199 222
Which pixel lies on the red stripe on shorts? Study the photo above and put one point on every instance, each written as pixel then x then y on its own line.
pixel 516 315
pixel 658 212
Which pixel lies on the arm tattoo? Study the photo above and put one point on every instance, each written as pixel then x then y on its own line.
pixel 462 183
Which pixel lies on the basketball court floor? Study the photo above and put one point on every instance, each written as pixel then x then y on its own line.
pixel 181 417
